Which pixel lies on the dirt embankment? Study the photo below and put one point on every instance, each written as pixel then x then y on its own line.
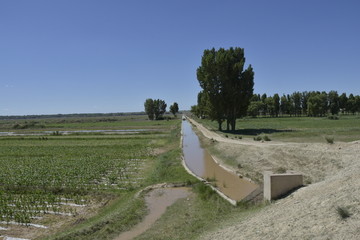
pixel 312 211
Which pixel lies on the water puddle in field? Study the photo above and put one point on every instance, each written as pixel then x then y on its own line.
pixel 157 201
pixel 200 162
pixel 12 238
pixel 75 131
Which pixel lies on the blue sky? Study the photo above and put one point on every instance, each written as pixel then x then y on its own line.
pixel 88 56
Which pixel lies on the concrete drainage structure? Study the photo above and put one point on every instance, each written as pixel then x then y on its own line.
pixel 278 185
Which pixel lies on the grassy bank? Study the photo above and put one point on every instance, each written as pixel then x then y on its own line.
pixel 296 129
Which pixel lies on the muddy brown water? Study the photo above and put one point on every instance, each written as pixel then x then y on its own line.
pixel 157 201
pixel 201 163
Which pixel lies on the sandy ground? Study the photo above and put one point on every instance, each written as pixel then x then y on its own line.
pixel 310 212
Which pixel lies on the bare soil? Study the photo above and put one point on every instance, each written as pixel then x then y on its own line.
pixel 331 172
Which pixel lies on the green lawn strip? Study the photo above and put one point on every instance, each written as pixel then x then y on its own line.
pixel 297 129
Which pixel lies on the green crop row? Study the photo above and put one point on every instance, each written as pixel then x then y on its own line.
pixel 36 175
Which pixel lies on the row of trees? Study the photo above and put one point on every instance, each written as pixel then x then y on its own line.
pixel 227 86
pixel 303 103
pixel 155 108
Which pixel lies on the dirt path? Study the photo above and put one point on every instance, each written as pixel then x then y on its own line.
pixel 310 212
pixel 213 135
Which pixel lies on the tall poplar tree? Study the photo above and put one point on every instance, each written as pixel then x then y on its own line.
pixel 227 86
pixel 149 108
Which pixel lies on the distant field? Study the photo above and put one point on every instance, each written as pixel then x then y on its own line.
pixel 297 129
pixel 74 123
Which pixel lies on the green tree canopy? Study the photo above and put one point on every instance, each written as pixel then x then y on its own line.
pixel 226 85
pixel 174 109
pixel 149 108
pixel 155 108
pixel 159 108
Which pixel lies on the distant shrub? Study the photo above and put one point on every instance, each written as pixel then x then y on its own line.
pixel 213 179
pixel 329 139
pixel 280 170
pixel 266 138
pixel 257 138
pixel 26 125
pixel 56 133
pixel 333 117
pixel 343 212
pixel 188 182
pixel 204 191
pixel 263 137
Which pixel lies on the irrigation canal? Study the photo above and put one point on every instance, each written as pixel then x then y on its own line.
pixel 201 163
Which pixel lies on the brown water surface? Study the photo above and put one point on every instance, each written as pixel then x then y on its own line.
pixel 157 201
pixel 201 163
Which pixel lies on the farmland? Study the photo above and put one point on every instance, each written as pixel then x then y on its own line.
pixel 48 177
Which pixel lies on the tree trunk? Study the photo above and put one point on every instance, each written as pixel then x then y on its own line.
pixel 233 124
pixel 220 125
pixel 228 125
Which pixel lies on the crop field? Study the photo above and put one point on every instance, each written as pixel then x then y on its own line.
pixel 57 175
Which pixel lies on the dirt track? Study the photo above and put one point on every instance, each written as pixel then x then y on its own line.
pixel 310 212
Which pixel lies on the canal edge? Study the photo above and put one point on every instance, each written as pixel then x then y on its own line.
pixel 231 201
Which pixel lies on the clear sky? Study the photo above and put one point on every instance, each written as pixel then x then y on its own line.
pixel 87 56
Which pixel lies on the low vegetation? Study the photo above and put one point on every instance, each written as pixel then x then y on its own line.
pixel 329 139
pixel 343 212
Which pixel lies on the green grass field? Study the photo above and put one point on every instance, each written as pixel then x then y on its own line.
pixel 297 129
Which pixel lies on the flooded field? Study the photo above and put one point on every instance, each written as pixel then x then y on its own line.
pixel 40 133
pixel 200 162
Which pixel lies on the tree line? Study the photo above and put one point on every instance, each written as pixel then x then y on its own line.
pixel 313 104
pixel 227 93
pixel 156 108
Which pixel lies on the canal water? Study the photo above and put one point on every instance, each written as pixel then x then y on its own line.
pixel 200 162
